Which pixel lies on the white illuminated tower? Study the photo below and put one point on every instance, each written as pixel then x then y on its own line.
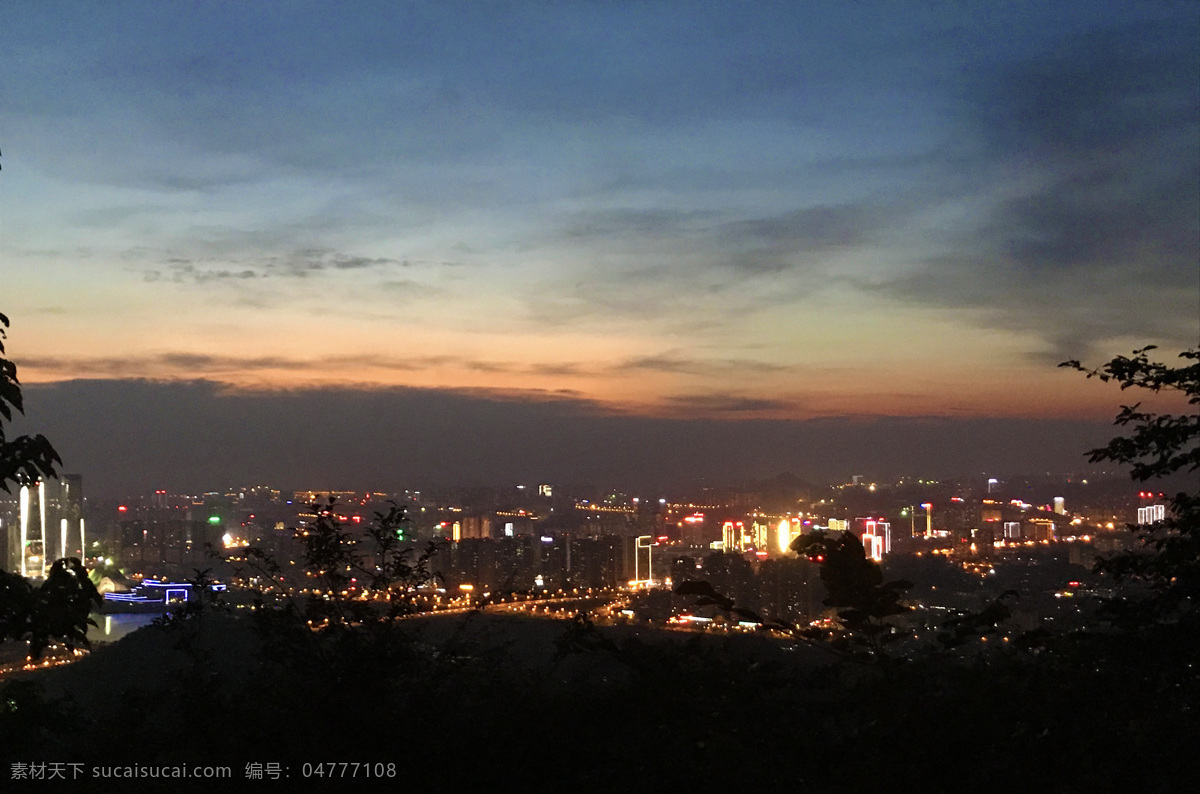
pixel 59 504
pixel 784 535
pixel 68 502
pixel 42 513
pixel 24 530
pixel 877 539
pixel 643 542
pixel 1151 514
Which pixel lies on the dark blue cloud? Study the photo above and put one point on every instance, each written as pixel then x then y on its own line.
pixel 130 436
pixel 1087 156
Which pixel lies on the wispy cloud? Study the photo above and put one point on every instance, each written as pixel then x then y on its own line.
pixel 726 404
pixel 186 365
pixel 674 363
pixel 299 264
pixel 194 365
pixel 180 273
pixel 1093 227
pixel 791 239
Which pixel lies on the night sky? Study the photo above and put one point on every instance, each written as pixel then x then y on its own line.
pixel 341 245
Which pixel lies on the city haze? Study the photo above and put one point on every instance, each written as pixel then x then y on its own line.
pixel 131 437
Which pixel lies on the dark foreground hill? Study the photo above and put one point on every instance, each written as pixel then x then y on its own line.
pixel 463 701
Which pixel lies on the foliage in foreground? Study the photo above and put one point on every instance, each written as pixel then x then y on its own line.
pixel 1088 713
pixel 24 459
pixel 1166 561
pixel 58 609
pixel 855 587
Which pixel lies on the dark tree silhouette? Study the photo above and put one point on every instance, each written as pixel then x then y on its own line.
pixel 24 459
pixel 55 612
pixel 365 576
pixel 855 586
pixel 1167 559
pixel 58 609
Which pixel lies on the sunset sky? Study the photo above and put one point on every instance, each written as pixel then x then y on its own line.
pixel 706 211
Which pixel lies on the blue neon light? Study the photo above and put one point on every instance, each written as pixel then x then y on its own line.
pixel 160 592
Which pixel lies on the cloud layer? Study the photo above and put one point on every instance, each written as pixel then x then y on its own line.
pixel 134 436
pixel 768 210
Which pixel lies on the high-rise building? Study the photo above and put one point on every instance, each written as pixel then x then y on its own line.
pixel 1151 514
pixel 876 536
pixel 48 525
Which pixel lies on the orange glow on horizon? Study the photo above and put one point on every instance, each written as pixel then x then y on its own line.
pixel 1056 394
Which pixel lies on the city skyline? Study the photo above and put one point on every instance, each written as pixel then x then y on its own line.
pixel 580 240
